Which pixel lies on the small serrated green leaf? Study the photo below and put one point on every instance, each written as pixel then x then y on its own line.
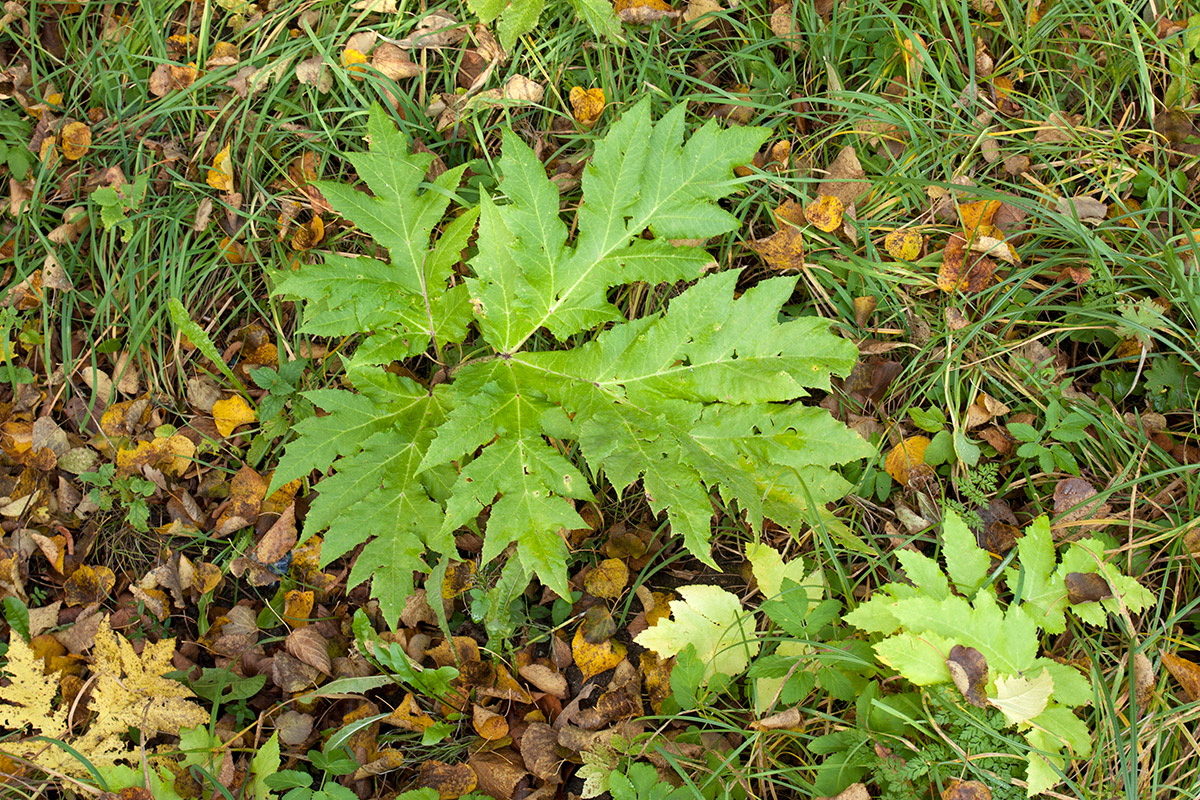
pixel 966 563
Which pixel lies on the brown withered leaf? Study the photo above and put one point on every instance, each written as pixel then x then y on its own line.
pixel 781 721
pixel 545 679
pixel 448 780
pixel 539 751
pixel 643 12
pixel 308 645
pixel 499 772
pixel 279 539
pixel 1085 587
pixel 1186 673
pixel 435 30
pixel 291 674
pixel 969 671
pixel 783 25
pixel 963 270
pixel 1071 501
pixel 844 178
pixel 966 790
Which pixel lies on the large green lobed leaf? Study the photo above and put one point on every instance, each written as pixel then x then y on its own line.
pixel 689 404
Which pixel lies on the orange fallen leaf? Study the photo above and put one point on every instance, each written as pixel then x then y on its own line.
pixel 904 456
pixel 1186 672
pixel 963 270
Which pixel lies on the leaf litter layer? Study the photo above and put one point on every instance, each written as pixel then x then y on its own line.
pixel 1004 234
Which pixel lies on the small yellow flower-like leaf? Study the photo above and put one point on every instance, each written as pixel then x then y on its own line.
pixel 76 140
pixel 587 105
pixel 231 412
pixel 220 174
pixel 353 61
pixel 825 212
pixel 904 244
pixel 904 456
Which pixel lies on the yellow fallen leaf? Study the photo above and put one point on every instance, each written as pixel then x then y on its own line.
pixel 76 140
pixel 231 412
pixel 607 579
pixel 825 212
pixel 220 174
pixel 904 244
pixel 587 105
pixel 592 659
pixel 353 61
pixel 904 456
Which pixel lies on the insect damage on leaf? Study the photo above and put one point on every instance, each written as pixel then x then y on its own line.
pixel 689 400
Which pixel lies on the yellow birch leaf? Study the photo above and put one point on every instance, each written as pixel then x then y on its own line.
pixel 587 105
pixel 230 413
pixel 76 140
pixel 592 659
pixel 607 579
pixel 904 244
pixel 825 212
pixel 220 174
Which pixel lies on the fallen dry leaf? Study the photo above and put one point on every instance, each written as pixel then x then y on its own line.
pixel 904 244
pixel 76 140
pixel 220 174
pixel 825 213
pixel 904 457
pixel 586 105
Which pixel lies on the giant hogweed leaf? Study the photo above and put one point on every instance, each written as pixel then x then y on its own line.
pixel 696 399
pixel 642 176
pixel 407 295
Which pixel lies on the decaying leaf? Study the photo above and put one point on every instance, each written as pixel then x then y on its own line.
pixel 902 458
pixel 825 212
pixel 448 780
pixel 88 585
pixel 607 579
pixel 643 12
pixel 220 174
pixel 783 25
pixel 957 789
pixel 586 105
pixel 784 249
pixel 963 270
pixel 904 244
pixel 969 670
pixel 844 178
pixel 76 140
pixel 1086 587
pixel 1186 672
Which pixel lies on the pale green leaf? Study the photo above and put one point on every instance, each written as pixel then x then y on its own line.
pixel 1021 699
pixel 919 657
pixel 712 620
pixel 770 570
pixel 966 563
